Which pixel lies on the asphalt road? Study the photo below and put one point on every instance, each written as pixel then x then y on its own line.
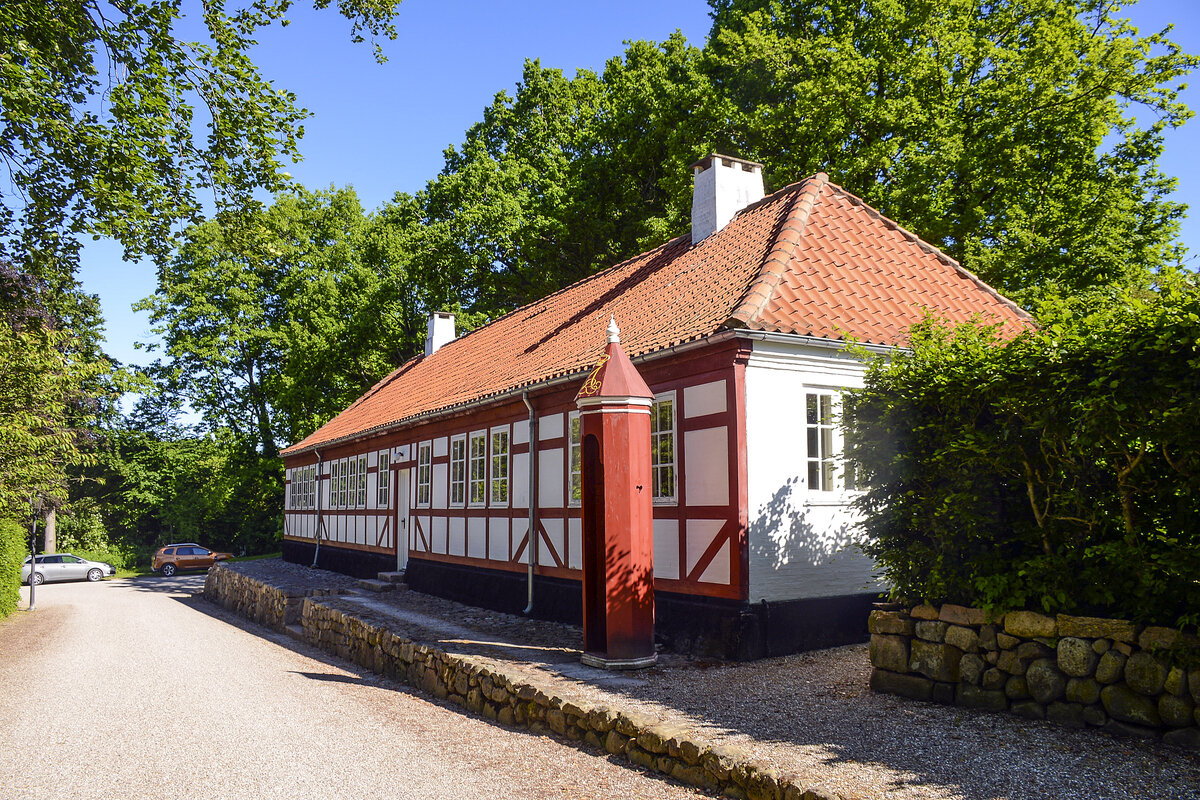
pixel 137 689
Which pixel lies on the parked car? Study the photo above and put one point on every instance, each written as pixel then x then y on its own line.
pixel 65 567
pixel 187 555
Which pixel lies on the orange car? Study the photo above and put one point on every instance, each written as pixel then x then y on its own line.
pixel 189 555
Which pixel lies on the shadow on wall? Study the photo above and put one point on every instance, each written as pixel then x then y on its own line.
pixel 787 532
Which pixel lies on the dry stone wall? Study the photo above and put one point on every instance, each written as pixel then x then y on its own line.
pixel 271 606
pixel 1076 671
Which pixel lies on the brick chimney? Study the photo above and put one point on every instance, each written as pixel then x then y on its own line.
pixel 441 331
pixel 722 187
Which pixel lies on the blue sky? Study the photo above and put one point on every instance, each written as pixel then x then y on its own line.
pixel 383 128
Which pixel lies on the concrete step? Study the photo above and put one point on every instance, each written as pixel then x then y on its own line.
pixel 295 631
pixel 372 585
pixel 392 577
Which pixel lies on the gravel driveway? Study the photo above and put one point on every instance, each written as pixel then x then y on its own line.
pixel 135 689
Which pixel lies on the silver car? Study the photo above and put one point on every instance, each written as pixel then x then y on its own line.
pixel 66 567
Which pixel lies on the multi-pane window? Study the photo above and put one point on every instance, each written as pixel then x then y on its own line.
pixel 424 473
pixel 308 487
pixel 662 447
pixel 477 455
pixel 575 454
pixel 362 481
pixel 458 471
pixel 352 492
pixel 499 466
pixel 334 469
pixel 291 497
pixel 343 485
pixel 382 476
pixel 824 444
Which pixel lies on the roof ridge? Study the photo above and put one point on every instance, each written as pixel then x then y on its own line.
pixel 759 292
pixel 928 248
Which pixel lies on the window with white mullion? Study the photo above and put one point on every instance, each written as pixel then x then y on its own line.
pixel 424 473
pixel 575 459
pixel 477 454
pixel 362 481
pixel 499 474
pixel 382 480
pixel 662 448
pixel 352 484
pixel 825 444
pixel 458 471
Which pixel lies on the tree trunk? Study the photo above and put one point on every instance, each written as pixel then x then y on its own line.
pixel 51 543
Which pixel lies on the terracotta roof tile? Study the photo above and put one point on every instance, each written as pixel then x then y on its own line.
pixel 809 259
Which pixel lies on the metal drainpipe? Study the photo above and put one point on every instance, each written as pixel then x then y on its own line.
pixel 532 498
pixel 317 532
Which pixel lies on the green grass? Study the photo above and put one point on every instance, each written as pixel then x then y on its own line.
pixel 276 554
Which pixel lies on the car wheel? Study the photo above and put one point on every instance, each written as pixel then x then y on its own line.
pixel 168 570
pixel 94 575
pixel 38 579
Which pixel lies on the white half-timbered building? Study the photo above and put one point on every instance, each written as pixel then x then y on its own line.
pixel 445 466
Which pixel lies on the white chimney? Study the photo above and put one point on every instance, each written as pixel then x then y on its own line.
pixel 722 187
pixel 441 331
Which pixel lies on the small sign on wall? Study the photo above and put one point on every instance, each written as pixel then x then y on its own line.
pixel 401 453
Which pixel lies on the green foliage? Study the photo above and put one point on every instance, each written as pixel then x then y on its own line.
pixel 47 396
pixel 83 532
pixel 14 547
pixel 1005 132
pixel 1058 471
pixel 567 176
pixel 113 125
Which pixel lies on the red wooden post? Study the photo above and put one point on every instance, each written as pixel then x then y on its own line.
pixel 618 513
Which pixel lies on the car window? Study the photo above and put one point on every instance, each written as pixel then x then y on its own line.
pixel 51 559
pixel 200 551
pixel 72 560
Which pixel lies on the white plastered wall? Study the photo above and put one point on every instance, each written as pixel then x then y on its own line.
pixel 800 541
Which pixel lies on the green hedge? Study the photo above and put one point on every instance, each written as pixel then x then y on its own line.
pixel 13 549
pixel 1058 471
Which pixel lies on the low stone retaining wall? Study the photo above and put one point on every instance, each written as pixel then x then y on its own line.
pixel 480 685
pixel 1076 671
pixel 270 606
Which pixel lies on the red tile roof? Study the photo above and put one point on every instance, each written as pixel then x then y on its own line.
pixel 810 259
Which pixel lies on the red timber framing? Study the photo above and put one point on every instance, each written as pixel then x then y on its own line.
pixel 700 533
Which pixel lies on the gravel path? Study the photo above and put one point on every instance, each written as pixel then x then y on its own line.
pixel 809 715
pixel 138 689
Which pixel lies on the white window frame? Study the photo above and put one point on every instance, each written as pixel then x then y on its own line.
pixel 657 466
pixel 458 482
pixel 334 473
pixel 344 484
pixel 477 458
pixel 824 444
pixel 424 474
pixel 383 479
pixel 500 467
pixel 362 481
pixel 574 459
pixel 352 483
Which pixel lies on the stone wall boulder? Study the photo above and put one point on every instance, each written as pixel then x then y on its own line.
pixel 1076 657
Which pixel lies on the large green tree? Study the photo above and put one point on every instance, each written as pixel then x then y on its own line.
pixel 49 389
pixel 114 122
pixel 1010 133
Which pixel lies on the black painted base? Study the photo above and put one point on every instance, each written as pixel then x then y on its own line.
pixel 683 623
pixel 701 626
pixel 336 559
